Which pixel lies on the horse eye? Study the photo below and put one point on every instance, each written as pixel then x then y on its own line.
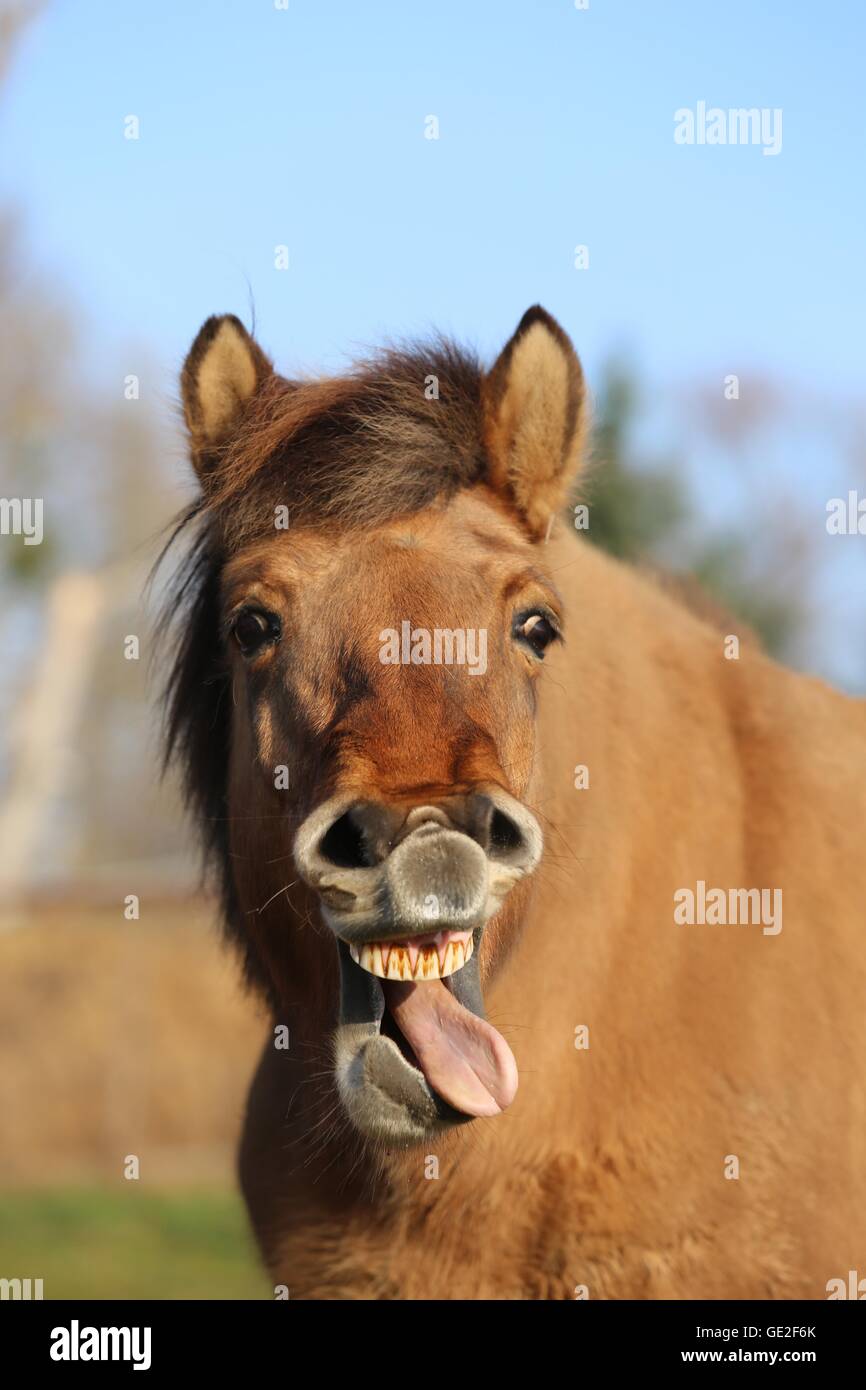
pixel 252 629
pixel 537 631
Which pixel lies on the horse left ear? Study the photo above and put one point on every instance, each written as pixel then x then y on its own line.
pixel 535 419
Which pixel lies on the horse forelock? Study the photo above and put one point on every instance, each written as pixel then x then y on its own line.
pixel 400 430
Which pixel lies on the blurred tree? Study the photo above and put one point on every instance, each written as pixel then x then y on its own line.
pixel 632 509
pixel 725 568
pixel 15 15
pixel 640 510
pixel 35 343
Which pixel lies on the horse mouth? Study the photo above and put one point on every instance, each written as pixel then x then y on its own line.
pixel 418 958
pixel 414 1053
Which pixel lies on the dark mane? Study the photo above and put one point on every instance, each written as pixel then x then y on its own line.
pixel 354 450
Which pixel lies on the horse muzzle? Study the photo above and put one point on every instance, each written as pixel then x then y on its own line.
pixel 384 875
pixel 407 895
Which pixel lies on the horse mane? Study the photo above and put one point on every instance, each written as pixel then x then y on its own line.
pixel 687 591
pixel 397 432
pixel 401 429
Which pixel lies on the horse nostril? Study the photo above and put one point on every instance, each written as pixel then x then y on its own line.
pixel 364 834
pixel 506 838
pixel 345 844
pixel 505 830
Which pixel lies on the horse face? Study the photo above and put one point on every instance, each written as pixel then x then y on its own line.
pixel 394 677
pixel 383 685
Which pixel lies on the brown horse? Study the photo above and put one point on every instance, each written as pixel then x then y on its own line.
pixel 635 854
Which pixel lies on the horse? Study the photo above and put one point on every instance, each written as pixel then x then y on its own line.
pixel 553 887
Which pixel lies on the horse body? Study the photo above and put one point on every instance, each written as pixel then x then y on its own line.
pixel 705 1041
pixel 690 1116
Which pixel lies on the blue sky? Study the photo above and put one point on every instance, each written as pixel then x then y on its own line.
pixel 305 127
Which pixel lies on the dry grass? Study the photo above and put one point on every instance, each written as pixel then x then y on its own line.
pixel 121 1038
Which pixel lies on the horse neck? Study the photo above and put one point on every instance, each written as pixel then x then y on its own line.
pixel 641 685
pixel 639 696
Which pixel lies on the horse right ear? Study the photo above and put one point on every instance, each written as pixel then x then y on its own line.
pixel 223 370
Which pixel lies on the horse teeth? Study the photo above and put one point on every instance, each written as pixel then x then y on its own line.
pixel 454 957
pixel 370 959
pixel 411 962
pixel 426 966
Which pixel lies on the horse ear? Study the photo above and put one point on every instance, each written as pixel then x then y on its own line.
pixel 535 419
pixel 223 370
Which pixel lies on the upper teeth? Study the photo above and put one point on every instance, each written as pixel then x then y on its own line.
pixel 409 962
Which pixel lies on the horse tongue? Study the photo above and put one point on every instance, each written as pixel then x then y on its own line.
pixel 464 1059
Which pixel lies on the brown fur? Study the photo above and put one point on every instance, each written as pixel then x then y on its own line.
pixel 705 1041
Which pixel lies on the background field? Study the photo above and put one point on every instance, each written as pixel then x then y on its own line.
pixel 122 1038
pixel 92 1244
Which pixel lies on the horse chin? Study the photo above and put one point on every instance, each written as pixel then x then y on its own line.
pixel 386 1096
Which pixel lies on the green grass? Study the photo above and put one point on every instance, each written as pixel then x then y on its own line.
pixel 130 1244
